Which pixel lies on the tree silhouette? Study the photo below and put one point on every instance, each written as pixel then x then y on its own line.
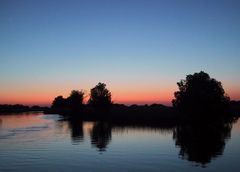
pixel 200 94
pixel 59 102
pixel 100 96
pixel 75 100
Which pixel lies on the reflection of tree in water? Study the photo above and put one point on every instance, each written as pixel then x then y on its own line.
pixel 0 123
pixel 76 127
pixel 101 135
pixel 201 143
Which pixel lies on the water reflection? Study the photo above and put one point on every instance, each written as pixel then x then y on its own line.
pixel 149 145
pixel 198 143
pixel 100 132
pixel 161 128
pixel 201 143
pixel 101 135
pixel 76 127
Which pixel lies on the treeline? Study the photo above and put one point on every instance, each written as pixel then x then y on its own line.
pixel 6 108
pixel 100 98
pixel 99 106
pixel 199 98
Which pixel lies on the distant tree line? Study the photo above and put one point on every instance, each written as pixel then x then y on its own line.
pixel 100 98
pixel 6 108
pixel 199 97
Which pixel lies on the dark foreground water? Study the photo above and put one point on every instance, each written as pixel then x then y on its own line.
pixel 37 142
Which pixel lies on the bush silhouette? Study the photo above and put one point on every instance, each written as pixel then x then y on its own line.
pixel 199 95
pixel 59 102
pixel 73 102
pixel 100 97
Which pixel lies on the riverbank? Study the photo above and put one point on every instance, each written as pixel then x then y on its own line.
pixel 141 113
pixel 119 112
pixel 18 108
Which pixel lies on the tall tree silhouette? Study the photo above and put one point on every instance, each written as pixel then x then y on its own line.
pixel 75 100
pixel 100 96
pixel 200 94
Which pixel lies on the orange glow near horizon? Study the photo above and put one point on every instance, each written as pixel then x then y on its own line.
pixel 141 95
pixel 129 99
pixel 123 97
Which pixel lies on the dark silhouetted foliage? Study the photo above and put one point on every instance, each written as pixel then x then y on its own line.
pixel 14 108
pixel 235 108
pixel 100 97
pixel 199 95
pixel 75 100
pixel 20 108
pixel 59 102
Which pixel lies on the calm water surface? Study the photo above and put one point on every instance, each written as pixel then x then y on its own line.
pixel 37 142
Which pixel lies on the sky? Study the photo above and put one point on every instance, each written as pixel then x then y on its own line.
pixel 139 48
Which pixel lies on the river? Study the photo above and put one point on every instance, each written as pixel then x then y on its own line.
pixel 37 142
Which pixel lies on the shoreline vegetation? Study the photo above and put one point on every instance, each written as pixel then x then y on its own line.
pixel 19 108
pixel 121 113
pixel 117 112
pixel 199 98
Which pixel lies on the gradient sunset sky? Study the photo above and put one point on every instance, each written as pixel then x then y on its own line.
pixel 139 48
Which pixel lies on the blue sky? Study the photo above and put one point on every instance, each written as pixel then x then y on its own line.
pixel 136 47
